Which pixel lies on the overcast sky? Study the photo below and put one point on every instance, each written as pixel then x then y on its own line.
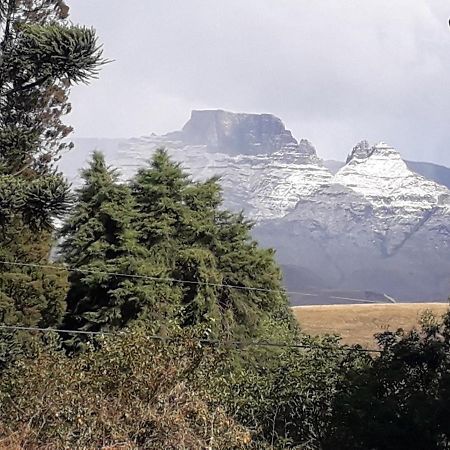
pixel 335 71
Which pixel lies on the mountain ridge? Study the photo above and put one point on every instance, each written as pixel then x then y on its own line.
pixel 435 172
pixel 361 227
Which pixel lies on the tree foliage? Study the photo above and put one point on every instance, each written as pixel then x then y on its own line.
pixel 41 56
pixel 107 285
pixel 401 400
pixel 182 259
pixel 284 395
pixel 230 284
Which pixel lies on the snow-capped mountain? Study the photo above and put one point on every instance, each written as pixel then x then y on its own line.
pixel 402 201
pixel 263 169
pixel 434 172
pixel 374 225
pixel 377 226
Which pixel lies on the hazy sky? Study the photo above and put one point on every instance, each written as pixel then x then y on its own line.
pixel 335 71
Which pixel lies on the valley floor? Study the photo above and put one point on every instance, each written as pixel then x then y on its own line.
pixel 357 323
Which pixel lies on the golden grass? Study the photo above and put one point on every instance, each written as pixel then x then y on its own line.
pixel 357 323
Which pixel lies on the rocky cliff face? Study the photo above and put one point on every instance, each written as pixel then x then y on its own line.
pixel 235 133
pixel 263 169
pixel 374 225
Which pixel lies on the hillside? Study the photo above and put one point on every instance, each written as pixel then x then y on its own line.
pixel 357 323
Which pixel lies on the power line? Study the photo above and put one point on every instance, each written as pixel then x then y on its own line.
pixel 199 340
pixel 176 280
pixel 57 330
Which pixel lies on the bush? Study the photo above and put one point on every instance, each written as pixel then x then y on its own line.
pixel 402 399
pixel 284 395
pixel 132 392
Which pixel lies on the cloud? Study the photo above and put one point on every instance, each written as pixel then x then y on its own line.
pixel 335 71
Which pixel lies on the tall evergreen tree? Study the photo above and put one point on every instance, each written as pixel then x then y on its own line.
pixel 205 270
pixel 41 56
pixel 108 288
pixel 230 284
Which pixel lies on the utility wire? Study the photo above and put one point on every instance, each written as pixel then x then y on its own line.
pixel 199 340
pixel 176 280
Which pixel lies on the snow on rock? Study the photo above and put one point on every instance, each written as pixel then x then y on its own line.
pixel 402 200
pixel 265 184
pixel 375 224
pixel 384 178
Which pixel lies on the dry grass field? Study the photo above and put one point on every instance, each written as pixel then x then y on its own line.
pixel 358 323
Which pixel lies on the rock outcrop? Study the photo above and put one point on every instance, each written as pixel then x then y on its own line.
pixel 235 133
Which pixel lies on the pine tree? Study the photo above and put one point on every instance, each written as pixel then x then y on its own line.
pixel 99 242
pixel 205 269
pixel 41 56
pixel 230 284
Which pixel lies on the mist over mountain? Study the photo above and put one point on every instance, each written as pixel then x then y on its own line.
pixel 374 225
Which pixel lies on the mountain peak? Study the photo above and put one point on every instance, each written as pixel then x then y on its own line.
pixel 359 152
pixel 362 151
pixel 306 148
pixel 385 150
pixel 236 133
pixel 381 176
pixel 380 161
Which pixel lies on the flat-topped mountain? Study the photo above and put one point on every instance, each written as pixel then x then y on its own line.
pixel 235 133
pixel 263 169
pixel 372 224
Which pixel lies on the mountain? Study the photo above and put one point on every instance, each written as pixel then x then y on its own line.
pixel 235 133
pixel 369 227
pixel 266 180
pixel 377 226
pixel 434 172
